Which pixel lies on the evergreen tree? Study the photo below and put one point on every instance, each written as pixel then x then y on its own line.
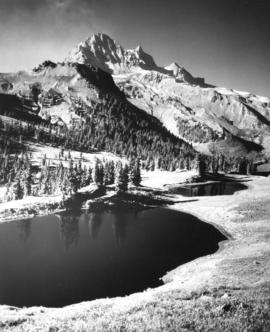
pixel 89 176
pixel 122 177
pixel 187 163
pixel 135 172
pixel 44 160
pixel 182 163
pixel 27 182
pixel 79 173
pixel 215 163
pixel 159 163
pixel 200 165
pixel 99 174
pixel 249 167
pixel 17 189
pixel 73 178
pixel 96 172
pixel 44 181
pixel 65 185
pixel 222 163
pixel 111 172
pixel 107 173
pixel 242 166
pixel 84 179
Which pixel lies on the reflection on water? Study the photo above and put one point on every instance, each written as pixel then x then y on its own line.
pixel 62 259
pixel 69 229
pixel 94 223
pixel 120 228
pixel 24 228
pixel 210 189
pixel 69 226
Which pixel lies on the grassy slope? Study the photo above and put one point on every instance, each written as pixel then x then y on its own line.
pixel 226 291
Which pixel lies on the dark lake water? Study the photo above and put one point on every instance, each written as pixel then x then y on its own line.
pixel 63 259
pixel 210 189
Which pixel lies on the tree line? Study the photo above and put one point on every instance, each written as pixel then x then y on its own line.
pixel 24 179
pixel 219 163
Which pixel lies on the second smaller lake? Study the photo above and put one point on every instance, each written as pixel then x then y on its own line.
pixel 209 189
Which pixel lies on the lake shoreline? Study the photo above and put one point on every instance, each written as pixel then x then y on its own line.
pixel 135 199
pixel 228 285
pixel 34 206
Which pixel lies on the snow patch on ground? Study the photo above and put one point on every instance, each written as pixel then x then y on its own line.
pixel 52 155
pixel 30 201
pixel 159 179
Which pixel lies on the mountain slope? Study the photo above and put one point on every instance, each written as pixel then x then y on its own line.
pixel 187 106
pixel 79 107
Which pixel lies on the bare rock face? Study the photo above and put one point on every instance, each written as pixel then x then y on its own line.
pixel 182 75
pixel 102 51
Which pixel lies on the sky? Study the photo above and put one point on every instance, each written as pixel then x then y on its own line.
pixel 225 41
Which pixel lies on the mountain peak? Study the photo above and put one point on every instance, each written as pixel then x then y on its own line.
pixel 174 64
pixel 176 70
pixel 99 50
pixel 101 42
pixel 139 49
pixel 100 37
pixel 181 74
pixel 102 51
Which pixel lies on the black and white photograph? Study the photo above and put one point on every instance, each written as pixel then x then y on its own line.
pixel 134 165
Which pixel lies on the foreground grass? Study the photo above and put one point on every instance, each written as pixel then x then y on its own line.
pixel 218 309
pixel 211 310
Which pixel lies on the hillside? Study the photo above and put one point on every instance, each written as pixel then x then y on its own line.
pixel 81 107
